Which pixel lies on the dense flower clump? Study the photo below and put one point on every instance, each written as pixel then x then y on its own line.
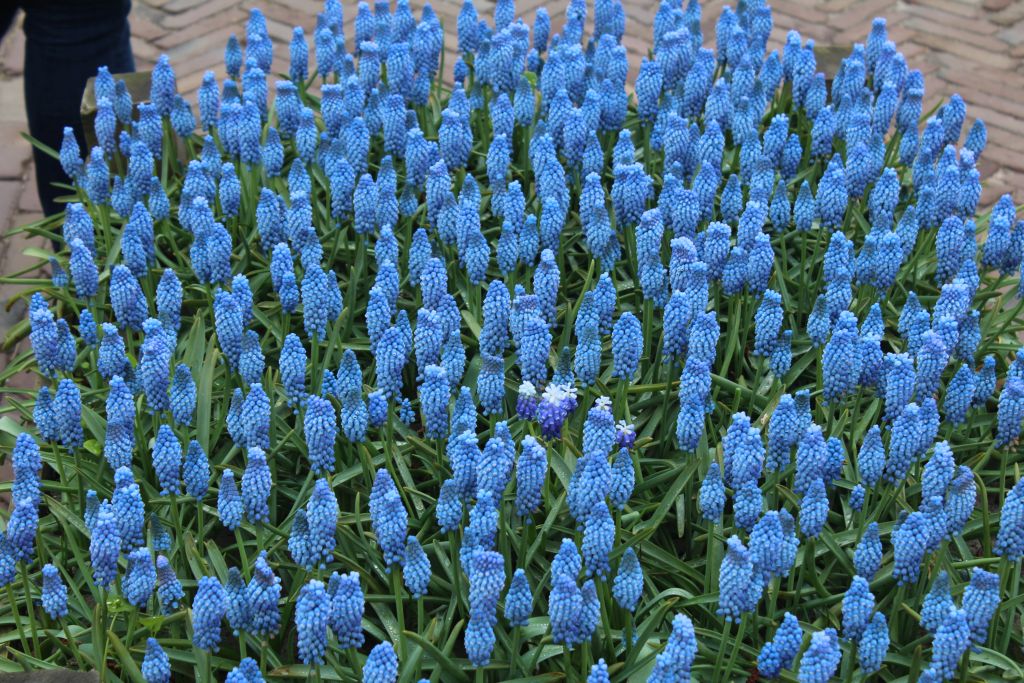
pixel 392 367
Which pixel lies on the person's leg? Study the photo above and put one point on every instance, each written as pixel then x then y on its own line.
pixel 66 42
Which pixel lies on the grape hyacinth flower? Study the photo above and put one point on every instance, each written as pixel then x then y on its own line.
pixel 675 661
pixel 629 581
pixel 736 581
pixel 874 644
pixel 416 572
pixel 169 592
pixel 821 659
pixel 531 471
pixel 951 640
pixel 140 578
pixel 347 605
pixel 486 579
pixel 712 494
pixel 980 601
pixel 858 604
pixel 599 673
pixel 627 346
pixel 389 519
pixel 312 612
pixel 156 665
pixel 54 596
pixel 167 459
pixel 381 665
pixel 518 600
pixel 208 609
pixel 104 546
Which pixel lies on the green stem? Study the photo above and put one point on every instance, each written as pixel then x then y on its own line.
pixel 315 367
pixel 1014 572
pixel 720 657
pixel 453 546
pixel 132 624
pixel 177 518
pixel 101 624
pixel 536 654
pixel 240 544
pixel 627 634
pixel 396 583
pixel 17 619
pixel 28 608
pixel 513 653
pixel 83 663
pixel 737 643
pixel 78 475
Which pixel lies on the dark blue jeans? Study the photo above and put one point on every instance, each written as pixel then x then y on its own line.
pixel 66 42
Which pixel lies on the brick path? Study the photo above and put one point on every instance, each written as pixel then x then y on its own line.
pixel 974 47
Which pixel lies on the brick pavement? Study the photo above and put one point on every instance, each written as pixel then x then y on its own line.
pixel 19 203
pixel 974 47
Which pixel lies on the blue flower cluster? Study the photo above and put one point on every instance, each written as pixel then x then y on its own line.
pixel 523 319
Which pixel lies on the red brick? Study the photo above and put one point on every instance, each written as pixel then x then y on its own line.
pixel 1010 15
pixel 955 7
pixel 857 34
pixel 636 45
pixel 912 50
pixel 991 192
pixel 298 16
pixel 1002 137
pixel 986 167
pixel 949 30
pixel 28 201
pixel 176 6
pixel 189 83
pixel 988 58
pixel 209 43
pixel 17 151
pixel 281 33
pixel 143 25
pixel 227 22
pixel 13 260
pixel 831 6
pixel 197 14
pixel 968 24
pixel 145 50
pixel 1014 178
pixel 805 12
pixel 820 33
pixel 10 191
pixel 996 5
pixel 860 13
pixel 1002 155
pixel 196 66
pixel 1008 109
pixel 1014 35
pixel 1000 83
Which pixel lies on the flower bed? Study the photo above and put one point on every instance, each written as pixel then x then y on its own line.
pixel 526 379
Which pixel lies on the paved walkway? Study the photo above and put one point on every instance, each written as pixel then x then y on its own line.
pixel 974 47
